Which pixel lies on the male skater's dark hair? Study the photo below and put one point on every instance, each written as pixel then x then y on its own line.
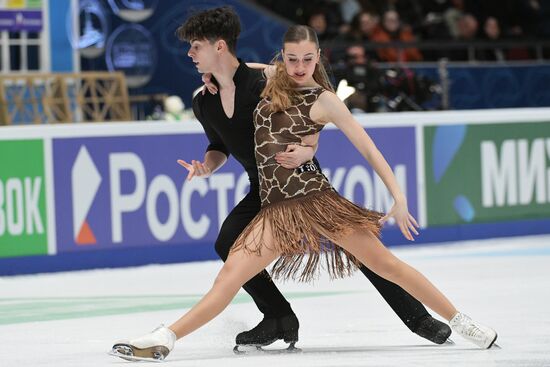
pixel 212 24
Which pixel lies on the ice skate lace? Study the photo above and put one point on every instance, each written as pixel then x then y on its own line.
pixel 158 328
pixel 474 332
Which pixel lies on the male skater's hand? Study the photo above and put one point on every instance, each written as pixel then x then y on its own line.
pixel 208 84
pixel 403 219
pixel 295 154
pixel 195 168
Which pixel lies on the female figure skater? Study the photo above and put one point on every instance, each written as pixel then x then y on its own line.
pixel 302 218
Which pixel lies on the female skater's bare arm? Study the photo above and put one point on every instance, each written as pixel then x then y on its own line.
pixel 268 69
pixel 329 108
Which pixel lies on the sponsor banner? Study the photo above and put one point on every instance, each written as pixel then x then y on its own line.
pixel 352 176
pixel 116 192
pixel 21 20
pixel 23 225
pixel 34 4
pixel 15 4
pixel 487 173
pixel 20 4
pixel 128 191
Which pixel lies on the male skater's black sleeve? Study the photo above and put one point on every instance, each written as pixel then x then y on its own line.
pixel 216 142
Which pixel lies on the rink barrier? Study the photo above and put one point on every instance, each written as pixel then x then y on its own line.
pixel 84 196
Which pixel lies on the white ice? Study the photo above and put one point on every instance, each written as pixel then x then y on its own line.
pixel 504 283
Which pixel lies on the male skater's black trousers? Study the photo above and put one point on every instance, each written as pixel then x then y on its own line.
pixel 267 296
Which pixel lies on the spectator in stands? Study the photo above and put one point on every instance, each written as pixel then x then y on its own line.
pixel 363 26
pixel 467 27
pixel 318 21
pixel 452 16
pixel 393 30
pixel 357 74
pixel 466 31
pixel 512 15
pixel 410 12
pixel 491 32
pixel 328 12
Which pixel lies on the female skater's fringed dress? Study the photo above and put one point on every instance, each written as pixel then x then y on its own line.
pixel 306 215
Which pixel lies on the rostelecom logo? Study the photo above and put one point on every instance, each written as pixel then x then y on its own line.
pixel 85 181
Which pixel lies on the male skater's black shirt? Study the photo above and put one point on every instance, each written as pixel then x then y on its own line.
pixel 233 135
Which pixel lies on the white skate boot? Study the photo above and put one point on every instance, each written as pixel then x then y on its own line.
pixel 483 336
pixel 154 346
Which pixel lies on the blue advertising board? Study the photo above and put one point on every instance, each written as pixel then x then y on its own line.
pixel 353 177
pixel 128 191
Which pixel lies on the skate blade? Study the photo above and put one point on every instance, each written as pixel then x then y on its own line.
pixel 132 358
pixel 448 342
pixel 131 353
pixel 494 345
pixel 257 349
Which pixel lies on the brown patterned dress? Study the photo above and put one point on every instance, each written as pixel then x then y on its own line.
pixel 306 215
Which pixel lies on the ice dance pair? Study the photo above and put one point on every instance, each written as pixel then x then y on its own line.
pixel 300 221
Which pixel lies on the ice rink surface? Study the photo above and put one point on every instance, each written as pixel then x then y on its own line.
pixel 72 319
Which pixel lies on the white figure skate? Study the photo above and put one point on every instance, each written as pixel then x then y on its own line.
pixel 482 336
pixel 153 346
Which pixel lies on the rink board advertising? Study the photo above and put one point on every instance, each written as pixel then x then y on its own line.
pixel 128 191
pixel 23 224
pixel 352 176
pixel 95 195
pixel 487 173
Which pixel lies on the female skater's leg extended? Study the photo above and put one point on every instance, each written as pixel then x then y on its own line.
pixel 239 267
pixel 368 249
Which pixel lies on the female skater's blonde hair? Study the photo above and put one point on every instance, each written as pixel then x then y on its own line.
pixel 281 89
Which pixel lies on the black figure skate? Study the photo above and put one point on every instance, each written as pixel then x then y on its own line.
pixel 268 331
pixel 434 330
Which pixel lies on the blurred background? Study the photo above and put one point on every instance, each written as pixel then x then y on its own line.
pixel 399 54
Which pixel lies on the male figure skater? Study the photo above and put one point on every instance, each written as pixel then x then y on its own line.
pixel 227 118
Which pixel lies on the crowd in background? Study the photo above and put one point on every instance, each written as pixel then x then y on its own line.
pixel 357 23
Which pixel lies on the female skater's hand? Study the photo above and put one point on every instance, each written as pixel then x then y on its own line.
pixel 208 84
pixel 294 156
pixel 195 168
pixel 403 219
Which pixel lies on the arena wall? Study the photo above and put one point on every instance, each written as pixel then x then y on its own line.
pixel 80 196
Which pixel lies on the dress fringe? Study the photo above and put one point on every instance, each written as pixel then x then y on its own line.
pixel 307 228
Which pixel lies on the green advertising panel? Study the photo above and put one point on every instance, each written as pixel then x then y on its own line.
pixel 34 4
pixel 23 226
pixel 487 173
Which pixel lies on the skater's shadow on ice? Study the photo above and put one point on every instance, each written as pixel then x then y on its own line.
pixel 383 348
pixel 223 354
